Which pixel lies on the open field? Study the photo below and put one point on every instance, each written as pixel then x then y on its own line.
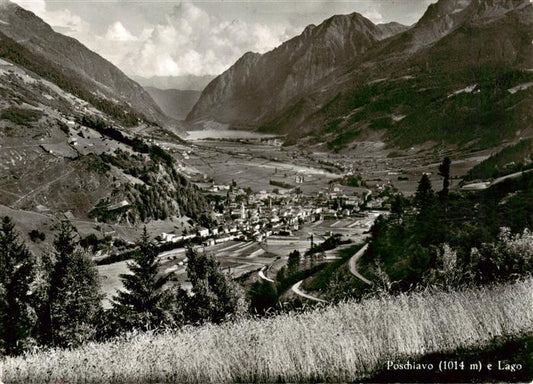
pixel 254 164
pixel 235 258
pixel 27 221
pixel 224 134
pixel 337 344
pixel 239 257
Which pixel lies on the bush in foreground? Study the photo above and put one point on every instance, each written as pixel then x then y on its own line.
pixel 336 344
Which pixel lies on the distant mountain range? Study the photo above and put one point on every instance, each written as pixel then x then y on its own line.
pixel 183 83
pixel 461 75
pixel 175 103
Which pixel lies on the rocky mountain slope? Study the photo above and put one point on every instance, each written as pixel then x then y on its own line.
pixel 259 86
pixel 174 102
pixel 67 155
pixel 98 76
pixel 460 75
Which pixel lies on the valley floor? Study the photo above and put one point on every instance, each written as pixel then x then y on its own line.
pixel 341 343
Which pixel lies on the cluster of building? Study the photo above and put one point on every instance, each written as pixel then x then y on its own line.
pixel 255 216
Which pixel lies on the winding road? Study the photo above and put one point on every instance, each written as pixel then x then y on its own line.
pixel 352 264
pixel 487 184
pixel 261 274
pixel 296 289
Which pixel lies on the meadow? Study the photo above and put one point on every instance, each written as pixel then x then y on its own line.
pixel 341 343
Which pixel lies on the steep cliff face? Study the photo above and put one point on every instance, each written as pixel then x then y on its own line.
pixel 102 76
pixel 257 86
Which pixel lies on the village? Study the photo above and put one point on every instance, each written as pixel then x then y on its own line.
pixel 240 214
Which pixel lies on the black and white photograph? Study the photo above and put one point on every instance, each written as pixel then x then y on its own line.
pixel 252 191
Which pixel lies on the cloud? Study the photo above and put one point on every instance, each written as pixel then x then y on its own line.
pixel 374 16
pixel 117 32
pixel 36 6
pixel 62 20
pixel 191 41
pixel 205 37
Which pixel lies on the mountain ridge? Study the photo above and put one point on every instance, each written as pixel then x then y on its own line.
pixel 67 152
pixel 33 33
pixel 301 62
pixel 474 35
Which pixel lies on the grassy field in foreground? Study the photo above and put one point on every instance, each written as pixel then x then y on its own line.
pixel 335 344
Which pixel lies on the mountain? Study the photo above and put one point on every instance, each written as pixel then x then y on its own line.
pixel 259 86
pixel 391 29
pixel 185 82
pixel 68 153
pixel 469 87
pixel 460 75
pixel 174 102
pixel 98 75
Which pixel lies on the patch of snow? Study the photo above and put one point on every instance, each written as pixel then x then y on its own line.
pixel 469 89
pixel 4 22
pixel 3 62
pixel 520 87
pixel 48 97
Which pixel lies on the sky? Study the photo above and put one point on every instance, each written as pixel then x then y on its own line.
pixel 175 38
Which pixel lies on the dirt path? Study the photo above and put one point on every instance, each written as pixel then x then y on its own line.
pixel 42 187
pixel 352 264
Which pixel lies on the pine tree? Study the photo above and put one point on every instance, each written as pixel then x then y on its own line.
pixel 398 205
pixel 444 171
pixel 427 219
pixel 216 297
pixel 17 273
pixel 145 302
pixel 424 195
pixel 294 261
pixel 74 292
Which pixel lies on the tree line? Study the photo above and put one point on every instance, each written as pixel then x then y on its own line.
pixel 55 300
pixel 452 238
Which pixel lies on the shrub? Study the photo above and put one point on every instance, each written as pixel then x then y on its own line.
pixel 36 235
pixel 20 116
